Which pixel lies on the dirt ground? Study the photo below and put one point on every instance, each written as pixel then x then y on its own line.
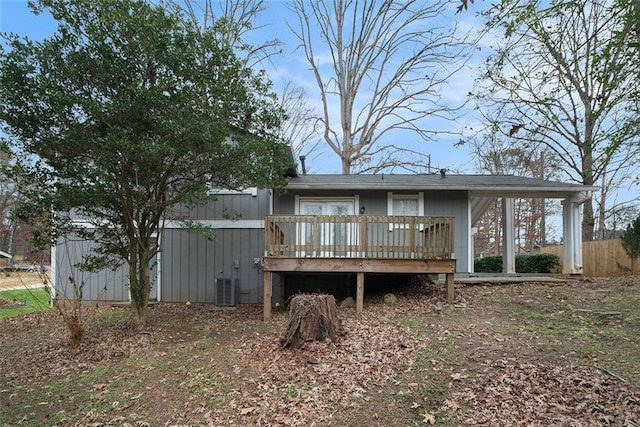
pixel 17 279
pixel 502 355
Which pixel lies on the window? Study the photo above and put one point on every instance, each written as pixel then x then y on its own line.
pixel 404 205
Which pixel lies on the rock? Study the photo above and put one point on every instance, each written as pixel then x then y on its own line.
pixel 348 303
pixel 390 299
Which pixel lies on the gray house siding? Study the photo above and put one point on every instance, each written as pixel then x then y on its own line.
pixel 455 204
pixel 436 203
pixel 229 207
pixel 106 285
pixel 189 262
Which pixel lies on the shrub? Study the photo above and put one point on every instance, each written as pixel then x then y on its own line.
pixel 525 263
pixel 489 264
pixel 631 239
pixel 537 263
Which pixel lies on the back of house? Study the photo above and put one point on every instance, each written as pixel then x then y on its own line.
pixel 192 265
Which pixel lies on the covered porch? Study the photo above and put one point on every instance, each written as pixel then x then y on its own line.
pixel 357 244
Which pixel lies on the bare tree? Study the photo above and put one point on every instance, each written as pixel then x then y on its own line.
pixel 495 155
pixel 560 79
pixel 301 127
pixel 8 225
pixel 611 212
pixel 233 20
pixel 380 66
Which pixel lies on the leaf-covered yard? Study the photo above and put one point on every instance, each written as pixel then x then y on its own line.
pixel 524 354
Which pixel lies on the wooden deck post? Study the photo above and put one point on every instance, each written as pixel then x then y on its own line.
pixel 359 292
pixel 267 296
pixel 451 293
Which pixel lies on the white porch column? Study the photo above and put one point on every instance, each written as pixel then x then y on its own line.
pixel 508 236
pixel 572 236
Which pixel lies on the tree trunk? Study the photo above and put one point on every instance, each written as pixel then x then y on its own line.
pixel 588 221
pixel 136 285
pixel 312 317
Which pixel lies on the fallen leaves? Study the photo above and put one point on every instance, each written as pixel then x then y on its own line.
pixel 247 411
pixel 326 376
pixel 458 376
pixel 523 394
pixel 429 418
pixel 442 366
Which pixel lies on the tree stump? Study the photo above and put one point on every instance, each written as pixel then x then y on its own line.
pixel 312 317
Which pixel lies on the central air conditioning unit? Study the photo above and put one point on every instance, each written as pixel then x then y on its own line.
pixel 226 292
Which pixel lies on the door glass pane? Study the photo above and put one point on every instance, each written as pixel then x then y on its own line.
pixel 330 238
pixel 340 230
pixel 340 209
pixel 310 209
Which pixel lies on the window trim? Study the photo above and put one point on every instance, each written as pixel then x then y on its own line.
pixel 391 197
pixel 354 199
pixel 249 191
pixel 399 196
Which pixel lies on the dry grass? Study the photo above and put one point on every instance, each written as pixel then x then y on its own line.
pixel 493 357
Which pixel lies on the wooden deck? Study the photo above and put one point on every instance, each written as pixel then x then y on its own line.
pixel 357 244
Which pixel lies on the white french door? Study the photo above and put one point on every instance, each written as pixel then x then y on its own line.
pixel 328 239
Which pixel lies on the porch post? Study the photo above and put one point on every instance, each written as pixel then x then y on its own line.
pixel 508 236
pixel 359 292
pixel 572 237
pixel 266 311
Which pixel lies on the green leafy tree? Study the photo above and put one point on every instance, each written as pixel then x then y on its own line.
pixel 561 79
pixel 125 113
pixel 631 240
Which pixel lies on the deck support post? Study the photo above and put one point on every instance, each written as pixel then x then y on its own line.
pixel 359 266
pixel 359 292
pixel 267 276
pixel 451 293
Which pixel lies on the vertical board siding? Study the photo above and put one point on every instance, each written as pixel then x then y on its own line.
pixel 192 262
pixel 453 204
pixel 185 266
pixel 230 206
pixel 601 258
pixel 108 285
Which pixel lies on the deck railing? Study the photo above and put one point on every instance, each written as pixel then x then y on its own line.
pixel 359 236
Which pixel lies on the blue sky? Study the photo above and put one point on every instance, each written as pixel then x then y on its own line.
pixel 15 16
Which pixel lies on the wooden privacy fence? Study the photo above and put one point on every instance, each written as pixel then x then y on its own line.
pixel 358 236
pixel 602 258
